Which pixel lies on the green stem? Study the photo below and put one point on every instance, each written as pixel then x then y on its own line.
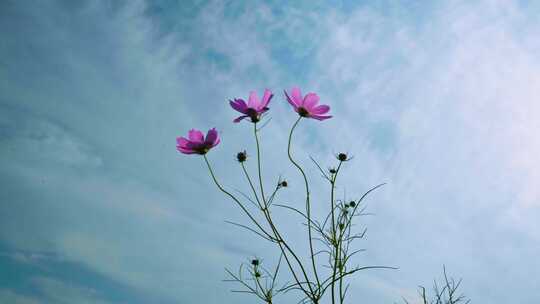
pixel 334 234
pixel 341 295
pixel 259 163
pixel 281 242
pixel 234 199
pixel 251 185
pixel 308 205
pixel 277 236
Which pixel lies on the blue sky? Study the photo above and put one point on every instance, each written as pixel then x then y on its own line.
pixel 438 100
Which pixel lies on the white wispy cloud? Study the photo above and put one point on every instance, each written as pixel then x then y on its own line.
pixel 442 105
pixel 459 89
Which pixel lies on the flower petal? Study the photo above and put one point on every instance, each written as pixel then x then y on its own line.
pixel 182 142
pixel 310 101
pixel 289 99
pixel 239 118
pixel 296 96
pixel 322 109
pixel 266 99
pixel 253 101
pixel 239 105
pixel 184 145
pixel 196 136
pixel 211 137
pixel 320 117
pixel 185 151
pixel 216 142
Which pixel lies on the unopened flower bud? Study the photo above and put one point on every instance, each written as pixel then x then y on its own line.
pixel 255 262
pixel 241 156
pixel 257 274
pixel 332 171
pixel 341 226
pixel 283 184
pixel 342 157
pixel 352 204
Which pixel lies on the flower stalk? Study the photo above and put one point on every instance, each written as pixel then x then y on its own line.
pixel 313 280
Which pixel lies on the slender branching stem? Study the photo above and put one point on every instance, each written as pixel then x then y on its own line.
pixel 252 186
pixel 279 239
pixel 341 295
pixel 335 241
pixel 235 199
pixel 281 242
pixel 259 163
pixel 308 205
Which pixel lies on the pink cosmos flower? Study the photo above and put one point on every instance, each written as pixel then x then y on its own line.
pixel 196 143
pixel 254 108
pixel 307 106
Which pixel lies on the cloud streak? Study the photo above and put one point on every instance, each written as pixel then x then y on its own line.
pixel 439 101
